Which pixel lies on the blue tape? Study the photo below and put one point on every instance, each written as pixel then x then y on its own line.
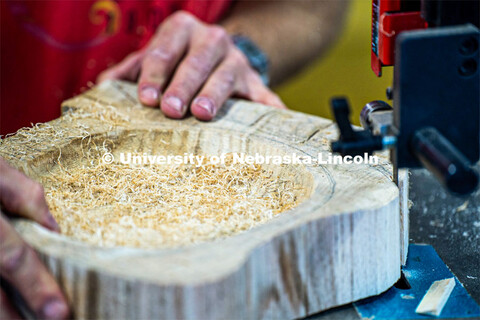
pixel 423 267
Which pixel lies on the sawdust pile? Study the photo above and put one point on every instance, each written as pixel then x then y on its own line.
pixel 165 205
pixel 156 206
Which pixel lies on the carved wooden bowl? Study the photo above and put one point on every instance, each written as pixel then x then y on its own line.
pixel 344 240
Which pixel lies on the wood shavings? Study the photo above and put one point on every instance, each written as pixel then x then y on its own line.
pixel 147 206
pixel 96 110
pixel 44 137
pixel 165 205
pixel 462 207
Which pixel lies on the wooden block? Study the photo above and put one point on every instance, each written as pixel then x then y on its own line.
pixel 342 243
pixel 436 297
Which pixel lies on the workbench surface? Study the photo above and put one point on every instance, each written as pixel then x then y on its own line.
pixel 450 224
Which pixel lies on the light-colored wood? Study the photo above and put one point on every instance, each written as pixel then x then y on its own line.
pixel 436 297
pixel 403 179
pixel 341 244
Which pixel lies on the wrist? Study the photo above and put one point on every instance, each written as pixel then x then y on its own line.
pixel 256 57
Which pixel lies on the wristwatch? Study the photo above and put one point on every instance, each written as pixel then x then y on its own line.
pixel 256 57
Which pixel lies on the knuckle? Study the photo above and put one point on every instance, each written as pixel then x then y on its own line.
pixel 217 34
pixel 199 64
pixel 149 78
pixel 13 257
pixel 226 79
pixel 182 18
pixel 159 54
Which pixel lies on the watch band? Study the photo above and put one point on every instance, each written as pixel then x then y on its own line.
pixel 256 57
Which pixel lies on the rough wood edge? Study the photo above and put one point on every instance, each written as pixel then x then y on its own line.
pixel 100 294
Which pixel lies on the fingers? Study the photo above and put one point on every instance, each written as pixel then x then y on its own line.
pixel 206 52
pixel 7 311
pixel 219 87
pixel 184 57
pixel 128 69
pixel 233 76
pixel 21 267
pixel 260 93
pixel 25 197
pixel 162 56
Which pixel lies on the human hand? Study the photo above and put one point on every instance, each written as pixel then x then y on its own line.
pixel 19 264
pixel 188 63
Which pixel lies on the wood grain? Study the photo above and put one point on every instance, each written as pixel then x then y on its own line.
pixel 436 297
pixel 343 243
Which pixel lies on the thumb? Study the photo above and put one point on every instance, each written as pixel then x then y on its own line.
pixel 127 69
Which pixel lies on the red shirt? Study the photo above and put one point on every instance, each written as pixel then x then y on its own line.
pixel 50 50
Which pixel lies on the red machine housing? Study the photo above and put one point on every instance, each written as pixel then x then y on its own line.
pixel 388 20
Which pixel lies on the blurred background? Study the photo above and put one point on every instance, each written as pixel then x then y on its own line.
pixel 343 70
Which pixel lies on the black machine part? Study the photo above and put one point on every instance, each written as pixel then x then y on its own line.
pixel 451 168
pixel 450 12
pixel 436 84
pixel 352 142
pixel 436 114
pixel 377 116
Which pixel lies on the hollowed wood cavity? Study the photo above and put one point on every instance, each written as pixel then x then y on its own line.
pixel 158 205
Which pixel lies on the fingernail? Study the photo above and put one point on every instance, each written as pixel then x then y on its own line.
pixel 176 104
pixel 205 104
pixel 55 310
pixel 149 95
